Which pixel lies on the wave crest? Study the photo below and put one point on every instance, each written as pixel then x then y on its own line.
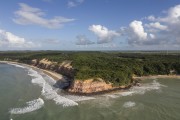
pixel 48 91
pixel 16 65
pixel 31 106
pixel 129 104
pixel 138 89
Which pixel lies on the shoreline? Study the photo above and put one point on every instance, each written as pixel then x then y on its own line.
pixel 109 91
pixel 58 77
pixel 157 76
pixel 52 74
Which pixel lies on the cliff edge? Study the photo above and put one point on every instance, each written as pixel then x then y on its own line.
pixel 65 68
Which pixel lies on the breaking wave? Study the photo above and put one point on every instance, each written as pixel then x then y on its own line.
pixel 129 104
pixel 16 65
pixel 79 98
pixel 48 91
pixel 31 106
pixel 146 87
pixel 138 89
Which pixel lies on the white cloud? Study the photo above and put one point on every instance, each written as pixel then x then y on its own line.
pixel 8 39
pixel 163 31
pixel 28 15
pixel 137 35
pixel 152 36
pixel 151 18
pixel 173 16
pixel 157 25
pixel 83 40
pixel 137 30
pixel 104 35
pixel 74 3
pixel 171 19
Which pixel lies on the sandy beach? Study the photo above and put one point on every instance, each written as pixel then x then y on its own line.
pixel 52 74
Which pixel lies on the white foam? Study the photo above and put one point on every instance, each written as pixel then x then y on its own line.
pixel 79 98
pixel 129 104
pixel 111 95
pixel 138 89
pixel 127 93
pixel 16 65
pixel 48 91
pixel 37 78
pixel 146 87
pixel 31 106
pixel 116 95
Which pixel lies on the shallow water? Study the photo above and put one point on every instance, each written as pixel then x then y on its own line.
pixel 29 95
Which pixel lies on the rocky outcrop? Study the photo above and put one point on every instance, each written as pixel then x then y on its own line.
pixel 89 86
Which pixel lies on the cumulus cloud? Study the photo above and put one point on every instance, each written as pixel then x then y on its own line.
pixel 136 34
pixel 164 30
pixel 155 31
pixel 28 15
pixel 172 17
pixel 104 35
pixel 137 30
pixel 157 25
pixel 172 20
pixel 151 18
pixel 74 3
pixel 83 40
pixel 8 39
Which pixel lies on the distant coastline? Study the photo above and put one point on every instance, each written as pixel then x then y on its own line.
pixel 57 77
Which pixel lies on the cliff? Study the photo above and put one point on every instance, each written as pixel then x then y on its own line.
pixel 89 86
pixel 65 68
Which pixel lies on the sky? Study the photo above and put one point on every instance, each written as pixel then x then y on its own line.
pixel 89 25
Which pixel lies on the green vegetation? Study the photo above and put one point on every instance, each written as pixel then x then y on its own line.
pixel 114 67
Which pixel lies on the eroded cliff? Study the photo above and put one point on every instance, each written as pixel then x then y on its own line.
pixel 65 68
pixel 89 86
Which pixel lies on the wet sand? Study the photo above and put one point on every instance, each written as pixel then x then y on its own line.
pixel 52 74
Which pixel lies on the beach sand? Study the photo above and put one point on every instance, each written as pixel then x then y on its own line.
pixel 52 74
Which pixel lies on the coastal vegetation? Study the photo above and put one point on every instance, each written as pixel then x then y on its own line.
pixel 113 67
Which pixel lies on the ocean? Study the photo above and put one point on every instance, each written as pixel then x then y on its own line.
pixel 27 94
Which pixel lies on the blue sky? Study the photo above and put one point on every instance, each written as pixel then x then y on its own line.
pixel 89 24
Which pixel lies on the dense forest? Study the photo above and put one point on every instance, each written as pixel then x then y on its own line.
pixel 115 67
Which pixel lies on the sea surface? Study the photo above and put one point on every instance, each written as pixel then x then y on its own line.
pixel 27 94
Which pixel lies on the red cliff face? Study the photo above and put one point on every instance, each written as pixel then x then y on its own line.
pixel 89 86
pixel 64 68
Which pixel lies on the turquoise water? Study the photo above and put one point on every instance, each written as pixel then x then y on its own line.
pixel 156 99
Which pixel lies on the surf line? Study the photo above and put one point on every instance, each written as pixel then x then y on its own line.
pixel 31 106
pixel 47 92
